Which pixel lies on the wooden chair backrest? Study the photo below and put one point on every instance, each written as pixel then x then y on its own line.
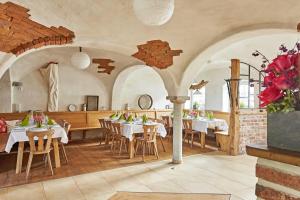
pixel 150 132
pixel 67 127
pixel 187 124
pixel 41 146
pixel 166 120
pixel 108 125
pixel 102 123
pixel 116 127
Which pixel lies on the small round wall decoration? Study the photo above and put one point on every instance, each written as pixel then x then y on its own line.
pixel 145 102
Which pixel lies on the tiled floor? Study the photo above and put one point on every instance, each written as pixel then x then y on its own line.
pixel 205 173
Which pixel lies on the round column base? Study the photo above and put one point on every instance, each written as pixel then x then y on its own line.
pixel 177 161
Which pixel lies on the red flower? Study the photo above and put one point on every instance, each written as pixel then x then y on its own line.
pixel 281 63
pixel 297 61
pixel 269 95
pixel 282 82
pixel 268 79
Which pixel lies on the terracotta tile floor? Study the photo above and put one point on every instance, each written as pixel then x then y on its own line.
pixel 84 157
pixel 202 173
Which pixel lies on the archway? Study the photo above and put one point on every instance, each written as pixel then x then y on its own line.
pixel 137 80
pixel 204 58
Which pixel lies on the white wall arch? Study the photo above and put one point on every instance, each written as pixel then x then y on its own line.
pixel 121 79
pixel 202 60
pixel 8 60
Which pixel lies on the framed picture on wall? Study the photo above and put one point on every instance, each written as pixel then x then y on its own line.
pixel 92 103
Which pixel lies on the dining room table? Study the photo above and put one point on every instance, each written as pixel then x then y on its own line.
pixel 17 134
pixel 202 124
pixel 130 129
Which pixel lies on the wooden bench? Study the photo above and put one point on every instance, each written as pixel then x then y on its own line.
pixel 84 129
pixel 222 139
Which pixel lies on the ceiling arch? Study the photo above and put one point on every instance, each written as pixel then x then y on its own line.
pixel 206 57
pixel 121 79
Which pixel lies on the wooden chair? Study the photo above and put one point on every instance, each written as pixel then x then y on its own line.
pixel 67 127
pixel 108 136
pixel 105 130
pixel 189 133
pixel 148 140
pixel 40 148
pixel 159 136
pixel 168 127
pixel 118 138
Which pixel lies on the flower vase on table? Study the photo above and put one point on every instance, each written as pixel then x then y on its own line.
pixel 38 119
pixel 281 98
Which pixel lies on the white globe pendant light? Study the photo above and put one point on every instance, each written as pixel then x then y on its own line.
pixel 80 60
pixel 153 12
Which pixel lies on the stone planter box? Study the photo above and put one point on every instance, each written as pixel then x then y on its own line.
pixel 284 131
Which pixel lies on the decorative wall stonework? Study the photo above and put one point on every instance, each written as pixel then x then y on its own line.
pixel 277 181
pixel 253 128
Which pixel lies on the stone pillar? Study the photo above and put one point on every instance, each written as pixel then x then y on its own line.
pixel 178 102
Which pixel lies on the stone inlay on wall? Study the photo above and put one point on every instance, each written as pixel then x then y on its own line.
pixel 18 33
pixel 104 66
pixel 279 177
pixel 156 53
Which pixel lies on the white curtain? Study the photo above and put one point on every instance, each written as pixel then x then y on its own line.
pixel 50 74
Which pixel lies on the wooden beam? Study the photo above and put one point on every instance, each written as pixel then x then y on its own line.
pixel 234 125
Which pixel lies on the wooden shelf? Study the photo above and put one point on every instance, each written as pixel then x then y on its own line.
pixel 263 151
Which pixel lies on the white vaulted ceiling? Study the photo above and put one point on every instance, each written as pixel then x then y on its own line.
pixel 111 25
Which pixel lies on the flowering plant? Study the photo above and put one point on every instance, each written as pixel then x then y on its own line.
pixel 281 80
pixel 38 120
pixel 193 113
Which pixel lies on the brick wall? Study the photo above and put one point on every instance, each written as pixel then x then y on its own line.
pixel 253 128
pixel 277 181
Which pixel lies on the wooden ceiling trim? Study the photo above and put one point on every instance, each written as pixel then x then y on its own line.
pixel 156 53
pixel 104 65
pixel 18 33
pixel 199 85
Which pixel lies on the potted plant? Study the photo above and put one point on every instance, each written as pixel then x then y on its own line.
pixel 281 98
pixel 196 105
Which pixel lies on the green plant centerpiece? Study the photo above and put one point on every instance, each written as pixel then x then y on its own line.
pixel 144 119
pixel 281 98
pixel 25 121
pixel 129 119
pixel 210 115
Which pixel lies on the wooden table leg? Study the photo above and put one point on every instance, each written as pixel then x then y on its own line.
pixel 131 149
pixel 20 157
pixel 107 137
pixel 83 134
pixel 203 139
pixel 69 135
pixel 56 152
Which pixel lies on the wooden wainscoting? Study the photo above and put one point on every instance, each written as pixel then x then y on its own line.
pixel 83 119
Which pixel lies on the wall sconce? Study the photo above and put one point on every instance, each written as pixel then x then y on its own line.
pixel 18 85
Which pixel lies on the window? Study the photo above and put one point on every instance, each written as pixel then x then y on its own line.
pixel 225 99
pixel 197 99
pixel 246 96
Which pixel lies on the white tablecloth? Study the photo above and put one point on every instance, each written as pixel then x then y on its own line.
pixel 19 135
pixel 129 129
pixel 203 124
